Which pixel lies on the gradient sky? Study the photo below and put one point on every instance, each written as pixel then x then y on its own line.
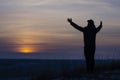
pixel 41 26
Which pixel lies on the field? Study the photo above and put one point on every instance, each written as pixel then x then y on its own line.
pixel 30 69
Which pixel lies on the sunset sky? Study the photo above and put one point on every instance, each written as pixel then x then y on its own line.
pixel 38 29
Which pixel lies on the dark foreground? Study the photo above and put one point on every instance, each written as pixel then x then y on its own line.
pixel 26 69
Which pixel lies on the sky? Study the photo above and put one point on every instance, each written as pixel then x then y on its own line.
pixel 38 29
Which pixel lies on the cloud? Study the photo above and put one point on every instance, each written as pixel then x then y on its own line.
pixel 43 22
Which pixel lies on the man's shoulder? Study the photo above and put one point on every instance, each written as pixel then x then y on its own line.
pixel 85 28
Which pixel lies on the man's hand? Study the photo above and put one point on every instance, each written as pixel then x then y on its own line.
pixel 69 20
pixel 101 23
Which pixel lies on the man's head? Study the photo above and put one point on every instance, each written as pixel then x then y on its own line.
pixel 90 21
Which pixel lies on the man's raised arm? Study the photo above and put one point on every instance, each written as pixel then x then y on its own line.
pixel 99 27
pixel 75 25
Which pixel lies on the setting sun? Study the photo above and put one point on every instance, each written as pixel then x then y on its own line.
pixel 26 50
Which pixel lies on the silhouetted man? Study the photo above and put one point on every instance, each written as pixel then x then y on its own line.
pixel 89 33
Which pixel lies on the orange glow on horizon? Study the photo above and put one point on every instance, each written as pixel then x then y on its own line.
pixel 26 50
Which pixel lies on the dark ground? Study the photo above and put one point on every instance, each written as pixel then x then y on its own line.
pixel 28 69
